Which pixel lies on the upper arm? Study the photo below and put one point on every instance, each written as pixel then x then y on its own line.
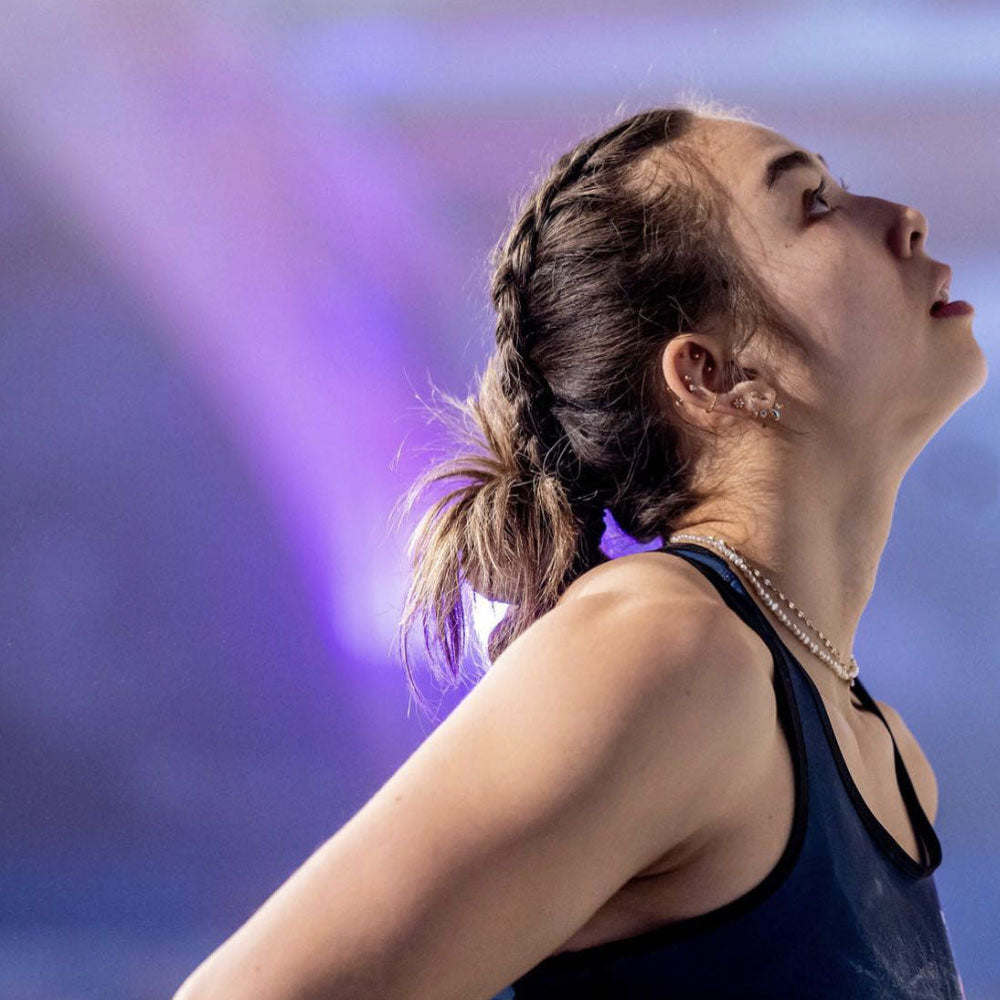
pixel 606 733
pixel 917 764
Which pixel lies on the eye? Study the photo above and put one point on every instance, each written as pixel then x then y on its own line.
pixel 819 194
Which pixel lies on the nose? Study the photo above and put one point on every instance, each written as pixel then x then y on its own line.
pixel 909 231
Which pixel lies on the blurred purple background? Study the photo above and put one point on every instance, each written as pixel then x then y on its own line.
pixel 237 239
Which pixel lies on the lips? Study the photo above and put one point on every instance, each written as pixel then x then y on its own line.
pixel 957 308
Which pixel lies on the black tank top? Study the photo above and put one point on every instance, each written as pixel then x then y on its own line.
pixel 845 912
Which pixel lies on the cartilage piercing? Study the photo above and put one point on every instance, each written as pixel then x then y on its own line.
pixel 738 403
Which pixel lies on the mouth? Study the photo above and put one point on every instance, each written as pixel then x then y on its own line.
pixel 957 308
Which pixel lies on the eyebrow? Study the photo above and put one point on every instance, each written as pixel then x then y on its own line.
pixel 789 161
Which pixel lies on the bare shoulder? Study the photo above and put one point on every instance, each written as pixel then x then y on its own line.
pixel 665 594
pixel 664 581
pixel 650 573
pixel 679 646
pixel 684 654
pixel 917 764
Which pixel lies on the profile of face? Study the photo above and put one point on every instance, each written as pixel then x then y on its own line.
pixel 852 272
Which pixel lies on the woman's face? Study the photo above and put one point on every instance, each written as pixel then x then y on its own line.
pixel 852 272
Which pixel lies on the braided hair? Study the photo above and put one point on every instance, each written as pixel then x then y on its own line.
pixel 618 249
pixel 541 439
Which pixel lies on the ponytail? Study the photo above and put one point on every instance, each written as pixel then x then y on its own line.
pixel 512 530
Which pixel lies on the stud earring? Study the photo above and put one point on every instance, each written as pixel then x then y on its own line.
pixel 774 412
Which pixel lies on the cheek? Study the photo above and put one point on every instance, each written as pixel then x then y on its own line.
pixel 842 299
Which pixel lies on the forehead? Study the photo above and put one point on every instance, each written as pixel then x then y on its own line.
pixel 739 153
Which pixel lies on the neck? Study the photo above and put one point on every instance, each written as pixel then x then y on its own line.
pixel 818 534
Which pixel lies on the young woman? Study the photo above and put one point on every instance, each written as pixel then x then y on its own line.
pixel 671 782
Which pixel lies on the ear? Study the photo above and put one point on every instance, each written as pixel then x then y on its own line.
pixel 692 368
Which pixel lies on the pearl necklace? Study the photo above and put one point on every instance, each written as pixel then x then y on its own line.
pixel 834 661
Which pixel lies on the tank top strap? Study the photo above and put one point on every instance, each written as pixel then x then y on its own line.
pixel 929 842
pixel 730 587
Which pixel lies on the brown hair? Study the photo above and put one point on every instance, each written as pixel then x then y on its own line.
pixel 612 254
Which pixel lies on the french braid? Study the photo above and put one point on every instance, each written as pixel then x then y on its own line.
pixel 542 444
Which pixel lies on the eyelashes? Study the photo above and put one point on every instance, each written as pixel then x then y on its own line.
pixel 819 194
